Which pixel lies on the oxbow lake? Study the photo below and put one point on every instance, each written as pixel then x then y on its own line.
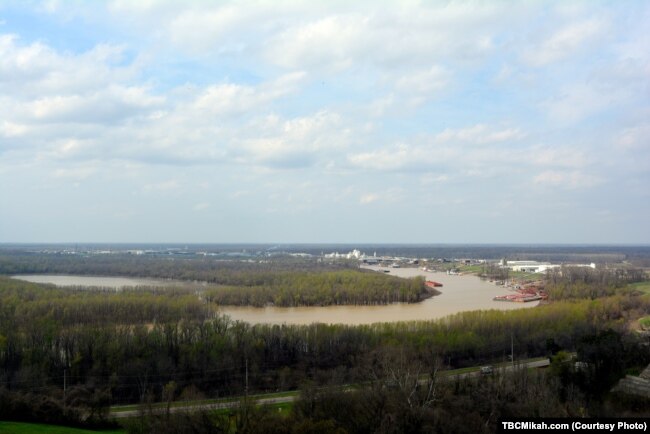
pixel 459 293
pixel 94 281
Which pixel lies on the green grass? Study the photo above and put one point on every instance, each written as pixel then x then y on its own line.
pixel 120 408
pixel 525 277
pixel 640 286
pixel 34 428
pixel 519 275
pixel 645 322
pixel 470 268
pixel 282 408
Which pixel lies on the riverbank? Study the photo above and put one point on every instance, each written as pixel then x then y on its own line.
pixel 459 293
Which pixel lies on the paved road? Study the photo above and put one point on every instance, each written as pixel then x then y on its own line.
pixel 282 399
pixel 504 368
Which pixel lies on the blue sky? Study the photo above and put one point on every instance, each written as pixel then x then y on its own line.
pixel 289 121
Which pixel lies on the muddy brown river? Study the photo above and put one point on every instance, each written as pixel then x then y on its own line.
pixel 458 294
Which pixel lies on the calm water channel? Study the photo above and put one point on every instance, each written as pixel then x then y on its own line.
pixel 95 281
pixel 459 293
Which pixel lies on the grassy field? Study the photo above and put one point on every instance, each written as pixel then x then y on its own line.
pixel 641 286
pixel 282 408
pixel 518 275
pixel 469 268
pixel 120 408
pixel 645 322
pixel 33 428
pixel 525 277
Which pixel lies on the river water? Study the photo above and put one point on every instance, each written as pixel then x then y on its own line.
pixel 458 294
pixel 94 281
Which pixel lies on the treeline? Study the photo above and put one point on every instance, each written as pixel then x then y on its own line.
pixel 410 396
pixel 83 407
pixel 282 282
pixel 322 289
pixel 206 269
pixel 23 304
pixel 405 392
pixel 143 356
pixel 138 353
pixel 570 282
pixel 493 271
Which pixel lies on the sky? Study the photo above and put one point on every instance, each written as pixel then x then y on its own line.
pixel 325 121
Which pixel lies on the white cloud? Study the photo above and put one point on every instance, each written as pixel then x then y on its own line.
pixel 576 103
pixel 75 173
pixel 431 179
pixel 333 42
pixel 199 29
pixel 233 99
pixel 562 157
pixel 450 148
pixel 391 37
pixel 103 106
pixel 425 81
pixel 226 99
pixel 240 193
pixel 248 99
pixel 391 40
pixel 389 195
pixel 479 134
pixel 368 198
pixel 295 142
pixel 201 206
pixel 419 86
pixel 634 138
pixel 35 70
pixel 569 179
pixel 11 129
pixel 565 41
pixel 82 106
pixel 70 147
pixel 163 186
pixel 399 157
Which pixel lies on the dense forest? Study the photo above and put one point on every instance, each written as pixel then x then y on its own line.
pixel 133 357
pixel 324 288
pixel 585 283
pixel 281 281
pixel 406 396
pixel 149 344
pixel 204 269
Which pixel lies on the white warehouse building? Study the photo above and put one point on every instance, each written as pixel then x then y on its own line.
pixel 530 266
pixel 537 267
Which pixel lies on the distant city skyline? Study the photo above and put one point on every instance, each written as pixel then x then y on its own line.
pixel 325 122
